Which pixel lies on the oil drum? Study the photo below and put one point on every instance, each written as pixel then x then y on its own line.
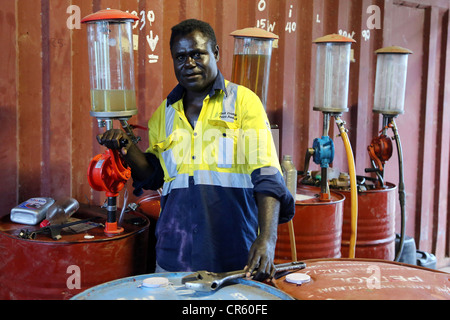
pixel 168 286
pixel 43 268
pixel 376 223
pixel 150 205
pixel 317 227
pixel 365 279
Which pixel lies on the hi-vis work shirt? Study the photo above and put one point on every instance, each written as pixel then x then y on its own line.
pixel 209 218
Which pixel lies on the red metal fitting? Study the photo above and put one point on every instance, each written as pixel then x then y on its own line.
pixel 325 196
pixel 112 228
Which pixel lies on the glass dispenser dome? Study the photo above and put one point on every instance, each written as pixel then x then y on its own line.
pixel 332 73
pixel 251 60
pixel 390 83
pixel 111 63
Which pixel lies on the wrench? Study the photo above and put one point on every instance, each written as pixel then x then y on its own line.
pixel 209 281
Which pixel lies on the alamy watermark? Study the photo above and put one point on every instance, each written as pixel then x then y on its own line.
pixel 223 148
pixel 74 280
pixel 374 281
pixel 372 22
pixel 74 20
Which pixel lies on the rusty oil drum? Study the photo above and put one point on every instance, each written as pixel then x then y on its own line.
pixel 367 279
pixel 376 224
pixel 317 227
pixel 43 268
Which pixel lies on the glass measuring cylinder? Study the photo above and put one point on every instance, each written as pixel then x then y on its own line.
pixel 111 64
pixel 251 60
pixel 332 74
pixel 390 83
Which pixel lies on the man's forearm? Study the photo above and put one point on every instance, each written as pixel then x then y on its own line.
pixel 268 213
pixel 138 163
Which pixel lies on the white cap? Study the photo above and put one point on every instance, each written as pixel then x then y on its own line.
pixel 155 282
pixel 298 278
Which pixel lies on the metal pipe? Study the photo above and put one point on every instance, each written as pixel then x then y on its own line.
pixel 324 187
pixel 111 209
pixel 326 124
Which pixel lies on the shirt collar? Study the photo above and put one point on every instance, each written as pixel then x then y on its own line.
pixel 178 92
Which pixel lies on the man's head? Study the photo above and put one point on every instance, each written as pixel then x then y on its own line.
pixel 195 54
pixel 188 26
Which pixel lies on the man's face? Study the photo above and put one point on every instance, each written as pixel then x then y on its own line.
pixel 195 61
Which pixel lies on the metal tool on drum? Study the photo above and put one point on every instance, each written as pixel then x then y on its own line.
pixel 210 281
pixel 53 230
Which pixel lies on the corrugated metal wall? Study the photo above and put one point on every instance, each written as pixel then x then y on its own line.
pixel 49 136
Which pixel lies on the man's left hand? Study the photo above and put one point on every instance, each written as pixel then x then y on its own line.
pixel 260 258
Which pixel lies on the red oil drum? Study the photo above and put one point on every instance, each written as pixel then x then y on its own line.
pixel 150 205
pixel 44 268
pixel 366 279
pixel 376 224
pixel 317 227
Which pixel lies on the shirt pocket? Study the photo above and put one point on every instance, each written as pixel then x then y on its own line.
pixel 226 149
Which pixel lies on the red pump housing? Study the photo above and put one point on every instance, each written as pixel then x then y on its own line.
pixel 107 172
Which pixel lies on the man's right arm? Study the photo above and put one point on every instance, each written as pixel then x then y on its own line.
pixel 117 139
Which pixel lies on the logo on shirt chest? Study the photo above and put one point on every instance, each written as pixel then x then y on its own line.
pixel 226 115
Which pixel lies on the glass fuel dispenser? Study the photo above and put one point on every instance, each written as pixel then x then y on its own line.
pixel 331 98
pixel 111 69
pixel 251 59
pixel 389 100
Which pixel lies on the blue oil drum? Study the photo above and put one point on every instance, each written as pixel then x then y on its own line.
pixel 133 288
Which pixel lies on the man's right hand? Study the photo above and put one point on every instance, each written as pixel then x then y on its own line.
pixel 115 139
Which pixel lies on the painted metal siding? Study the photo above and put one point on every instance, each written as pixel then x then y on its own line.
pixel 49 136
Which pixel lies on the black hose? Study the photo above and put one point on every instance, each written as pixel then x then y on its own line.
pixel 401 190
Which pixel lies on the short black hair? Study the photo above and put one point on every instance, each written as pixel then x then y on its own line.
pixel 187 26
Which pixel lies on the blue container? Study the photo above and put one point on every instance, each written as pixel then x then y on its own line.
pixel 426 259
pixel 131 288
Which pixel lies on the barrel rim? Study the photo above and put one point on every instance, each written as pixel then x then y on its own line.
pixel 124 235
pixel 340 196
pixel 268 289
pixel 373 260
pixel 392 187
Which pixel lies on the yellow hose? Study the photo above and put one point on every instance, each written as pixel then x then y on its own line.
pixel 292 240
pixel 353 187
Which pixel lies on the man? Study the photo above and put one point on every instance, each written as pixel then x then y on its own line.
pixel 211 149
